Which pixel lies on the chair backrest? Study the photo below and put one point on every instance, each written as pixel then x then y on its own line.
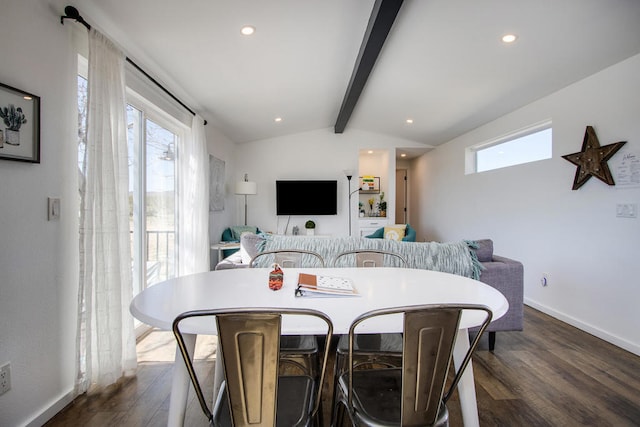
pixel 429 334
pixel 291 258
pixel 371 258
pixel 249 341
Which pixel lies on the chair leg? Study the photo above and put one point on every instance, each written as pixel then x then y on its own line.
pixel 492 340
pixel 338 415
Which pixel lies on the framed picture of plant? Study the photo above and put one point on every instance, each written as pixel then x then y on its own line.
pixel 19 125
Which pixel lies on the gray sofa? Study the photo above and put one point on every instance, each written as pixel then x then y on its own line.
pixel 507 276
pixel 504 274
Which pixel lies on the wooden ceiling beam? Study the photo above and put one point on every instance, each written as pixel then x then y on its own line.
pixel 382 17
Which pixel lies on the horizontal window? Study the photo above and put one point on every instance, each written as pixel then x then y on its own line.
pixel 525 146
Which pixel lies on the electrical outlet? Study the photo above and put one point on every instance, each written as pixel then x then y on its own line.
pixel 5 378
pixel 544 280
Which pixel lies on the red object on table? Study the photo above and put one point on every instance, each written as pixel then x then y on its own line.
pixel 276 277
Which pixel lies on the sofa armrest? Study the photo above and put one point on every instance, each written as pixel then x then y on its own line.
pixel 232 261
pixel 507 276
pixel 249 243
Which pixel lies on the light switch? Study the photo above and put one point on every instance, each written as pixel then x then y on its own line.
pixel 53 208
pixel 627 210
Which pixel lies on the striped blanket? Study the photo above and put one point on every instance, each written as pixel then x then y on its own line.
pixel 455 257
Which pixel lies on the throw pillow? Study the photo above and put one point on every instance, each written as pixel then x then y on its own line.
pixel 395 232
pixel 237 230
pixel 249 243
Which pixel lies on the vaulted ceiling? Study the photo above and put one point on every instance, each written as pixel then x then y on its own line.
pixel 443 64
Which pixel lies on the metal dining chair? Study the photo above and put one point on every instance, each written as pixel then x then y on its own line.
pixel 371 258
pixel 413 394
pixel 371 350
pixel 253 392
pixel 298 353
pixel 291 258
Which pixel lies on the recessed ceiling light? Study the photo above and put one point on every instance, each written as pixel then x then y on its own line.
pixel 509 38
pixel 277 119
pixel 403 155
pixel 27 97
pixel 247 30
pixel 409 121
pixel 370 151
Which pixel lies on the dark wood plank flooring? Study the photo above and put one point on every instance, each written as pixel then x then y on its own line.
pixel 551 374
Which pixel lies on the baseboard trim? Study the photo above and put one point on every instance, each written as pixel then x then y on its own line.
pixel 51 411
pixel 613 339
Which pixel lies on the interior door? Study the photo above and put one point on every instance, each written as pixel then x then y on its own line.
pixel 401 196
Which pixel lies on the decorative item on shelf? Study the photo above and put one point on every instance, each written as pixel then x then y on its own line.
pixel 382 205
pixel 371 202
pixel 310 226
pixel 369 184
pixel 245 188
pixel 592 159
pixel 360 209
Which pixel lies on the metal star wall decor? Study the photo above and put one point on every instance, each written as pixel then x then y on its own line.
pixel 592 160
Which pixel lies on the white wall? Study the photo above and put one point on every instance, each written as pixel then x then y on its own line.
pixel 319 154
pixel 224 149
pixel 532 214
pixel 38 258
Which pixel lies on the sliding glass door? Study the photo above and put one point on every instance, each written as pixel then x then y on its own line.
pixel 152 198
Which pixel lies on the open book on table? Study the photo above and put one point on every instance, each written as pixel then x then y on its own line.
pixel 316 286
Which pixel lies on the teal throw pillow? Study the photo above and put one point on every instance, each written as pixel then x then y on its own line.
pixel 237 230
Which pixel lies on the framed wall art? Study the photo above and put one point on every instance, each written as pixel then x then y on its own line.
pixel 19 125
pixel 216 184
pixel 369 184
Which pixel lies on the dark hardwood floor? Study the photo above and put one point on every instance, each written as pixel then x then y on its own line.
pixel 550 374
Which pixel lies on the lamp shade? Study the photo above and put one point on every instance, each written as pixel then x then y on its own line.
pixel 246 187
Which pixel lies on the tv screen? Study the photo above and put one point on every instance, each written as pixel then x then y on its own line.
pixel 306 197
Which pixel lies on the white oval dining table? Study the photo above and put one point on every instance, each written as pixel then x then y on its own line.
pixel 377 288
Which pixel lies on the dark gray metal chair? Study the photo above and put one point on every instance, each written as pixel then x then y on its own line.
pixel 253 392
pixel 414 394
pixel 298 352
pixel 371 350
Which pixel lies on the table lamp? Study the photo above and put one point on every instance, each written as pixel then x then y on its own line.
pixel 246 188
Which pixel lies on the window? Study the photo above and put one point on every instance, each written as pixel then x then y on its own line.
pixel 152 146
pixel 152 140
pixel 527 145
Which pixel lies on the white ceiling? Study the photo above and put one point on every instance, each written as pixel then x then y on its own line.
pixel 443 64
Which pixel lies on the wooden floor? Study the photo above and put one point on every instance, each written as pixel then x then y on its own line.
pixel 551 374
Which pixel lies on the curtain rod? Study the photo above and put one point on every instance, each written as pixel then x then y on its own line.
pixel 72 13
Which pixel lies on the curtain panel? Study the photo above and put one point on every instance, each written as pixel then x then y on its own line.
pixel 193 201
pixel 105 338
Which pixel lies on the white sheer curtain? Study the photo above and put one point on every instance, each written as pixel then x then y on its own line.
pixel 193 201
pixel 106 339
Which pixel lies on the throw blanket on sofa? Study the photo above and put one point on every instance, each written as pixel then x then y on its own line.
pixel 456 257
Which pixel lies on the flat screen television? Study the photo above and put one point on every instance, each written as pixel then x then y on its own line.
pixel 306 197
